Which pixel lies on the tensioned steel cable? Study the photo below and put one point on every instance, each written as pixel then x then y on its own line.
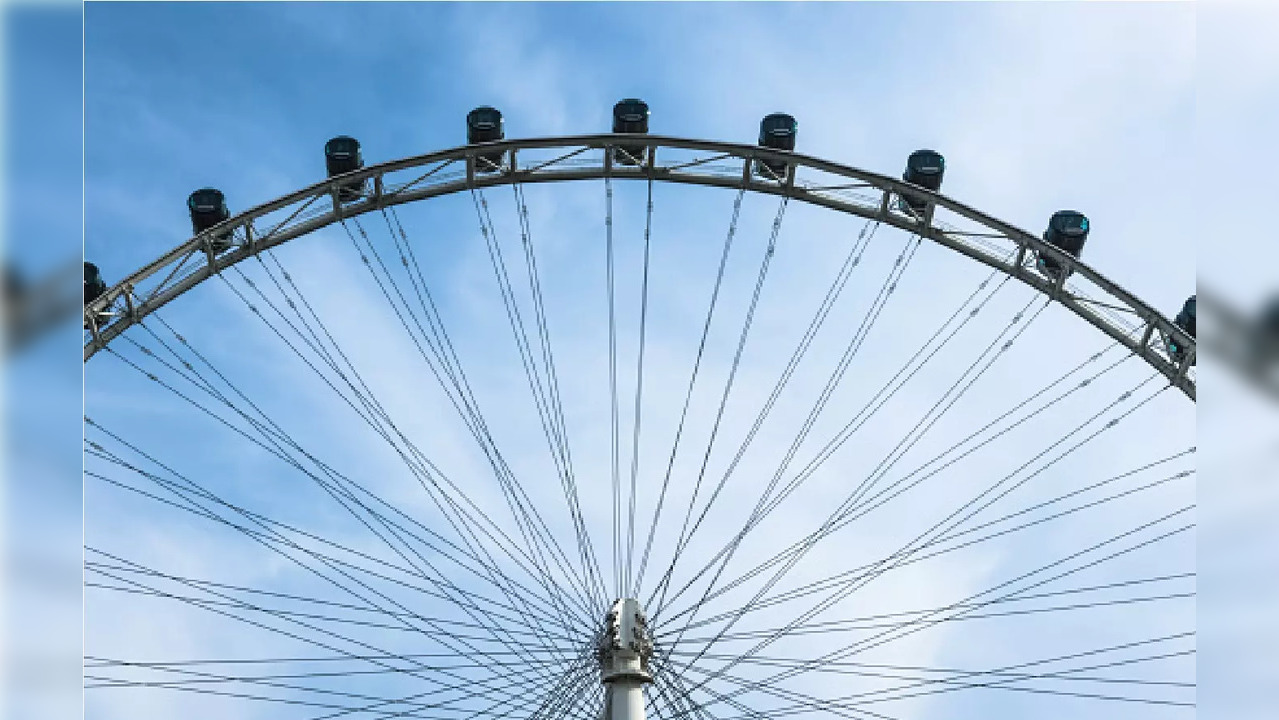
pixel 765 263
pixel 849 516
pixel 545 392
pixel 476 425
pixel 329 562
pixel 846 704
pixel 686 533
pixel 829 449
pixel 632 582
pixel 202 677
pixel 409 671
pixel 729 698
pixel 1014 677
pixel 527 651
pixel 274 536
pixel 546 395
pixel 833 293
pixel 1008 677
pixel 1045 389
pixel 447 357
pixel 423 469
pixel 851 261
pixel 614 420
pixel 890 284
pixel 538 386
pixel 921 672
pixel 256 520
pixel 689 707
pixel 333 475
pixel 858 623
pixel 417 470
pixel 921 547
pixel 95 661
pixel 697 363
pixel 859 572
pixel 469 683
pixel 341 606
pixel 832 628
pixel 197 678
pixel 854 424
pixel 523 644
pixel 509 484
pixel 844 592
pixel 869 643
pixel 854 345
pixel 372 707
pixel 207 386
pixel 514 691
pixel 268 699
pixel 669 697
pixel 905 445
pixel 276 451
pixel 569 690
pixel 562 448
pixel 1057 577
pixel 859 336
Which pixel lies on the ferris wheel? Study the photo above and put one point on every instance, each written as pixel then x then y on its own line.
pixel 625 425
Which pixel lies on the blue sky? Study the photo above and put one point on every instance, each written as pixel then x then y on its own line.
pixel 1036 108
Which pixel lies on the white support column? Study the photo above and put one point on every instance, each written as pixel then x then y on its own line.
pixel 624 651
pixel 626 700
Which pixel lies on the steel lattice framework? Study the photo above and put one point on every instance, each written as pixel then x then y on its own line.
pixel 1085 291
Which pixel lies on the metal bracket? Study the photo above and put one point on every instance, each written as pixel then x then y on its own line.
pixel 1145 338
pixel 337 202
pixel 129 308
pixel 1060 281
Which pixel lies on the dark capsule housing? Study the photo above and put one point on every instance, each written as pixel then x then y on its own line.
pixel 94 287
pixel 1186 318
pixel 484 125
pixel 207 207
pixel 341 156
pixel 630 116
pixel 924 168
pixel 1067 231
pixel 776 132
pixel 93 284
pixel 1186 321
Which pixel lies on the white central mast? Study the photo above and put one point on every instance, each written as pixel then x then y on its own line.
pixel 624 652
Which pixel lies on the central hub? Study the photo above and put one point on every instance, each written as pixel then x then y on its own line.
pixel 626 644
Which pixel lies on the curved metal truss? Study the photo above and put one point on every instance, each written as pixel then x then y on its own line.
pixel 1086 292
